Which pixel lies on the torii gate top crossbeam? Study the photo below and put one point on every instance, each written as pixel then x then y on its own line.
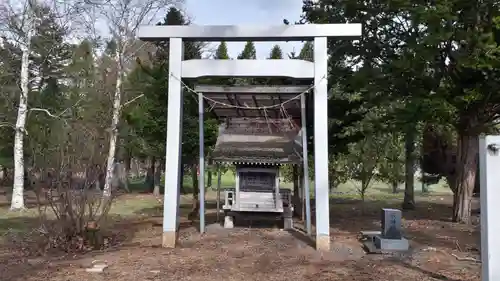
pixel 301 32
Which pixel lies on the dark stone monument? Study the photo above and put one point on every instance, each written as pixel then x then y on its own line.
pixel 391 224
pixel 390 238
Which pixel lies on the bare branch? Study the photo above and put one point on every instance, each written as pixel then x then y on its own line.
pixel 5 124
pixel 132 100
pixel 57 116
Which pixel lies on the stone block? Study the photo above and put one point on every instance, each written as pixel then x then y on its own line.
pixel 391 224
pixel 384 244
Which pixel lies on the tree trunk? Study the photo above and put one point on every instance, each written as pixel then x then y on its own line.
pixel 423 180
pixel 464 179
pixel 395 187
pixel 150 182
pixel 196 193
pixel 477 187
pixel 209 178
pixel 128 165
pixel 17 202
pixel 157 179
pixel 3 175
pixel 296 191
pixel 114 124
pixel 364 186
pixel 120 176
pixel 362 193
pixel 183 190
pixel 409 198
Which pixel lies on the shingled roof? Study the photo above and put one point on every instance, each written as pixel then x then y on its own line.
pixel 258 141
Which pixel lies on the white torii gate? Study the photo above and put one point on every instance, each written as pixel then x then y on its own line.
pixel 298 69
pixel 489 162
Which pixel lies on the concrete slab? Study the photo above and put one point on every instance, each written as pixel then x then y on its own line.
pixel 391 244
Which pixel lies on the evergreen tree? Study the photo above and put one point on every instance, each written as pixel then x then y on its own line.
pixel 147 118
pixel 249 52
pixel 50 54
pixel 307 51
pixel 440 77
pixel 276 53
pixel 10 64
pixel 222 53
pixel 50 50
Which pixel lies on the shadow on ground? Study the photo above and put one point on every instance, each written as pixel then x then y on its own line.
pixel 428 224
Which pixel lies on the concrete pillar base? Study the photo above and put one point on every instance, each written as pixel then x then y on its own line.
pixel 323 243
pixel 169 239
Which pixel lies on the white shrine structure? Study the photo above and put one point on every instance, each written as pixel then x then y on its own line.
pixel 315 72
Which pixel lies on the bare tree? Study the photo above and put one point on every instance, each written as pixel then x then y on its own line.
pixel 123 18
pixel 18 24
pixel 19 20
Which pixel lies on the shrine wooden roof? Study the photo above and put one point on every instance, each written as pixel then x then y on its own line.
pixel 258 141
pixel 282 101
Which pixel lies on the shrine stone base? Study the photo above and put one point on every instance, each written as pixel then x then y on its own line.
pixel 374 243
pixel 169 239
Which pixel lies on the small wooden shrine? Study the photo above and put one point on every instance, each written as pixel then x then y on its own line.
pixel 258 147
pixel 260 132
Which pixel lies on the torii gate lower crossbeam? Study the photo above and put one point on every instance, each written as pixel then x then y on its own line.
pixel 242 68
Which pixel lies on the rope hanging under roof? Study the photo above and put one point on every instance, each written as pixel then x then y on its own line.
pixel 264 109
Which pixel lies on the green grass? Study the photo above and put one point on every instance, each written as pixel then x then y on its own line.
pixel 382 191
pixel 146 205
pixel 227 180
pixel 349 190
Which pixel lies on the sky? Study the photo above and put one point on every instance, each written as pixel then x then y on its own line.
pixel 247 12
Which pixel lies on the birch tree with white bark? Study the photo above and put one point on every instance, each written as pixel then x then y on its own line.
pixel 18 25
pixel 123 18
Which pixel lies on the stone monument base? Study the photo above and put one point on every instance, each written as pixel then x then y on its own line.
pixel 383 245
pixel 391 244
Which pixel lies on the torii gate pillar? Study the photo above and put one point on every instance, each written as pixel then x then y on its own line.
pixel 489 161
pixel 316 71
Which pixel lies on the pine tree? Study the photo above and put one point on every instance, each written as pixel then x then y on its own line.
pixel 222 53
pixel 249 52
pixel 276 53
pixel 307 51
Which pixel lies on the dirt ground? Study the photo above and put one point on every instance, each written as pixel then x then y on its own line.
pixel 440 250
